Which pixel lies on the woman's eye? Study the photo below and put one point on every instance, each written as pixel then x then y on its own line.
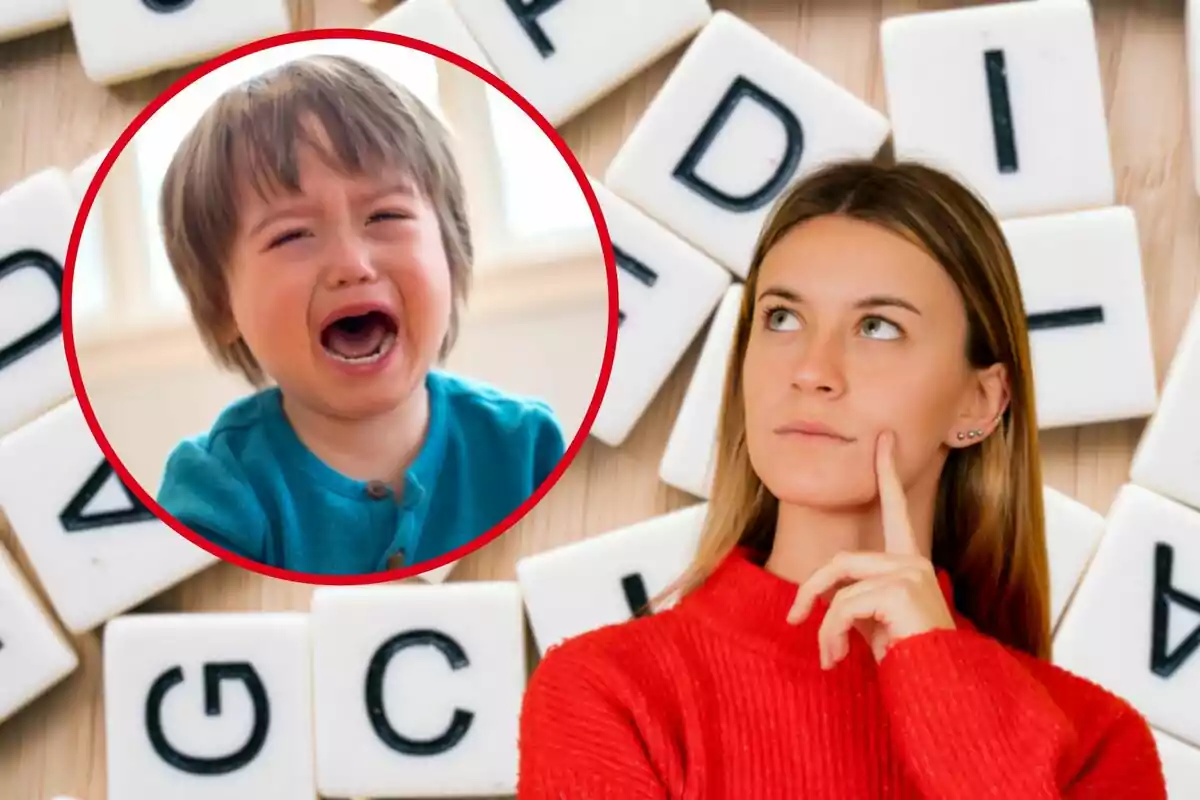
pixel 778 318
pixel 283 239
pixel 880 328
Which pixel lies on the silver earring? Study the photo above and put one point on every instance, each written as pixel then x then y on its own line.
pixel 972 434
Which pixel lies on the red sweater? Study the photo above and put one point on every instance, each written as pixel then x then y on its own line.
pixel 719 697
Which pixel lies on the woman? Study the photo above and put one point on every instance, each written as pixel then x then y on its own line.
pixel 866 615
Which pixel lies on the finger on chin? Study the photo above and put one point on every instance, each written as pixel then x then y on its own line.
pixel 897 529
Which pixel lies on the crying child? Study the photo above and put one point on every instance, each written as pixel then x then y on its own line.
pixel 316 221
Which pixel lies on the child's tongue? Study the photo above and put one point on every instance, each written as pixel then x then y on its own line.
pixel 355 337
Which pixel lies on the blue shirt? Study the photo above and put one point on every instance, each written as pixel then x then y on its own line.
pixel 251 486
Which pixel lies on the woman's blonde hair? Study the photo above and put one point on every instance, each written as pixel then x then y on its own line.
pixel 989 524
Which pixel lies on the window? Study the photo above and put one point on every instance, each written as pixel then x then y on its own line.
pixel 89 286
pixel 540 196
pixel 90 282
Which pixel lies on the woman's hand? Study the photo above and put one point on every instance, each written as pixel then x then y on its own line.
pixel 885 596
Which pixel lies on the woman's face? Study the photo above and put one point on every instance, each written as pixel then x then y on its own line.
pixel 855 331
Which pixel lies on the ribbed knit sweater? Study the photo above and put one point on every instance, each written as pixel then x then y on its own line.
pixel 718 697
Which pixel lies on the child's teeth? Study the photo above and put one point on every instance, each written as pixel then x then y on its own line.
pixel 384 347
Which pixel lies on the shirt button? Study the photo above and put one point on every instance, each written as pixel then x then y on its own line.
pixel 377 490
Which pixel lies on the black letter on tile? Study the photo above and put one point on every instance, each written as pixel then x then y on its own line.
pixel 213 675
pixel 1066 318
pixel 1002 121
pixel 635 268
pixel 45 332
pixel 166 6
pixel 1163 663
pixel 527 14
pixel 635 594
pixel 459 725
pixel 742 89
pixel 74 520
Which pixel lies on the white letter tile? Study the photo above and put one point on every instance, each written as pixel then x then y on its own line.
pixel 208 705
pixel 738 121
pixel 96 549
pixel 689 458
pixel 1073 532
pixel 606 579
pixel 25 17
pixel 1007 97
pixel 36 217
pixel 119 40
pixel 418 689
pixel 563 55
pixel 1181 767
pixel 1081 278
pixel 34 655
pixel 436 22
pixel 1134 624
pixel 668 290
pixel 1167 458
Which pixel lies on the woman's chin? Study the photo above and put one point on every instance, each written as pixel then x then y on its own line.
pixel 821 491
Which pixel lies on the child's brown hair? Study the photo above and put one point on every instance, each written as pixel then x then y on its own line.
pixel 252 133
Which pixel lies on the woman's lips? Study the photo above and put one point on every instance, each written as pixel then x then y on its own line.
pixel 812 430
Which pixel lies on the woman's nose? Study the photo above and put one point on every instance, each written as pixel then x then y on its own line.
pixel 819 366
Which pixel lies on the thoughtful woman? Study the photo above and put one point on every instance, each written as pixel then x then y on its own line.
pixel 866 615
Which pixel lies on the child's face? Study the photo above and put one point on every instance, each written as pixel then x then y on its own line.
pixel 341 292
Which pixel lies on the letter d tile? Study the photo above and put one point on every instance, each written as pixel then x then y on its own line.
pixel 738 121
pixel 36 217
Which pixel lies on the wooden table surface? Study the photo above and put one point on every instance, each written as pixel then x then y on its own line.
pixel 50 115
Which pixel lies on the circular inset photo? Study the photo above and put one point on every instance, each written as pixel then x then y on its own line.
pixel 340 307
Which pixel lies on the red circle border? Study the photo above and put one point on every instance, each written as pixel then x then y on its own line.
pixel 312 35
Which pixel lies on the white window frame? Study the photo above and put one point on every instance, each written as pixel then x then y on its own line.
pixel 464 99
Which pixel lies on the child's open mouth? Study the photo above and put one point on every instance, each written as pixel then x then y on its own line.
pixel 360 338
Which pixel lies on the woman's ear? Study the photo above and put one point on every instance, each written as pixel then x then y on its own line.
pixel 984 403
